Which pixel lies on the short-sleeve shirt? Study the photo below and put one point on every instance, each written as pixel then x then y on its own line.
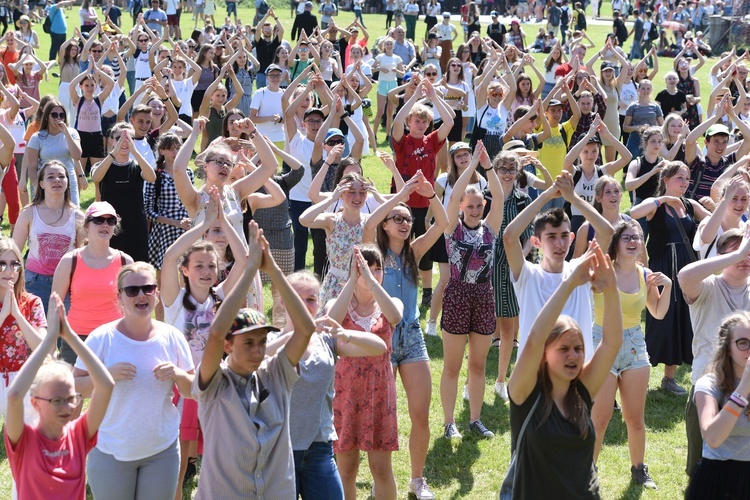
pixel 470 254
pixel 15 350
pixel 141 420
pixel 58 21
pixel 155 15
pixel 257 462
pixel 51 468
pixel 445 31
pixel 671 102
pixel 414 154
pixel 268 103
pixel 737 444
pixel 644 115
pixel 710 174
pixel 553 150
pixel 391 64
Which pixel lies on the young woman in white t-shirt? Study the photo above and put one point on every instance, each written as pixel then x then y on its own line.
pixel 390 67
pixel 191 308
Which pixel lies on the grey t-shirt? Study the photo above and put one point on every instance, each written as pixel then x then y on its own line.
pixel 717 301
pixel 311 417
pixel 55 147
pixel 737 445
pixel 644 115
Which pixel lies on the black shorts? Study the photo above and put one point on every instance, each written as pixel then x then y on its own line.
pixel 92 144
pixel 197 99
pixel 439 252
pixel 457 132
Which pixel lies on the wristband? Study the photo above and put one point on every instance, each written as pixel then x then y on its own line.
pixel 433 195
pixel 165 99
pixel 81 175
pixel 251 135
pixel 112 156
pixel 731 411
pixel 736 401
pixel 656 201
pixel 736 396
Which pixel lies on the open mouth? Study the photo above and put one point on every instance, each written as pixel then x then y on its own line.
pixel 142 306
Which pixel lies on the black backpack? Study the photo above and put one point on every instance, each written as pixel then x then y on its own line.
pixel 653 32
pixel 565 16
pixel 581 25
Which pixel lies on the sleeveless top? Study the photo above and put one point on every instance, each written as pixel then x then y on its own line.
pixel 648 188
pixel 48 244
pixel 232 210
pixel 470 254
pixel 89 116
pixel 632 304
pixel 397 284
pixel 93 295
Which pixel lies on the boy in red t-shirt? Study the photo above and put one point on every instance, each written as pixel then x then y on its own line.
pixel 417 151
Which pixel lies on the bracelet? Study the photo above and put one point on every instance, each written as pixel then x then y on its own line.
pixel 434 194
pixel 736 401
pixel 345 114
pixel 111 155
pixel 81 175
pixel 737 397
pixel 731 411
pixel 251 135
pixel 656 201
pixel 165 99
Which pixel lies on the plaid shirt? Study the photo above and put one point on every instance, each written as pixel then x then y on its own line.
pixel 584 123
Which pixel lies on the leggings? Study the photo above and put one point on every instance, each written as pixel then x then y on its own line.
pixel 10 189
pixel 388 18
pixel 153 477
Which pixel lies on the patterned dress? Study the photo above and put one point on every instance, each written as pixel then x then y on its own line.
pixel 691 115
pixel 364 407
pixel 506 303
pixel 246 78
pixel 339 246
pixel 168 205
pixel 15 351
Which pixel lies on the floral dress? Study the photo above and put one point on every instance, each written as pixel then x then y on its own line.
pixel 339 246
pixel 364 407
pixel 691 116
pixel 15 351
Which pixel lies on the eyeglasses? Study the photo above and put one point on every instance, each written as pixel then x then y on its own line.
pixel 430 74
pixel 110 221
pixel 274 76
pixel 133 291
pixel 58 116
pixel 400 219
pixel 314 122
pixel 627 238
pixel 15 266
pixel 335 143
pixel 221 163
pixel 74 400
pixel 303 49
pixel 742 344
pixel 504 170
pixel 96 51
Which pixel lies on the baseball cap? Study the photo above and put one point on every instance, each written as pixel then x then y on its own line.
pixel 554 102
pixel 249 320
pixel 312 111
pixel 457 147
pixel 274 67
pixel 717 129
pixel 334 132
pixel 514 21
pixel 493 13
pixel 99 208
pixel 446 14
pixel 608 65
pixel 517 146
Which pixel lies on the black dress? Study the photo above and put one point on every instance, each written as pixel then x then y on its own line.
pixel 122 187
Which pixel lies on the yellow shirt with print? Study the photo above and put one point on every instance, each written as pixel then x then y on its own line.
pixel 553 150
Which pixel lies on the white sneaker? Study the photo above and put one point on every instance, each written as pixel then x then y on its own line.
pixel 432 329
pixel 501 390
pixel 419 489
pixel 466 392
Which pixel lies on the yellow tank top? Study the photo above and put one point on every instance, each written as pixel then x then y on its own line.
pixel 632 304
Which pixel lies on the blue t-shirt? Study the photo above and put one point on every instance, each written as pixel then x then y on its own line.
pixel 154 15
pixel 58 20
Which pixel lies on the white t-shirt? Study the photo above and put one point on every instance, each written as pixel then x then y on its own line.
pixel 113 100
pixel 301 148
pixel 142 66
pixel 141 420
pixel 442 181
pixel 391 64
pixel 535 286
pixel 184 90
pixel 144 148
pixel 268 103
pixel 171 7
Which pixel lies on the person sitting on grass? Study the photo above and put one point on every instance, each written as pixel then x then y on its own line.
pixel 49 459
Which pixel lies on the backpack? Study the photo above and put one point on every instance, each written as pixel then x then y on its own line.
pixel 653 32
pixel 581 24
pixel 564 16
pixel 554 16
pixel 262 9
pixel 47 25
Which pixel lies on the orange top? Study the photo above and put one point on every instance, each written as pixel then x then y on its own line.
pixel 93 296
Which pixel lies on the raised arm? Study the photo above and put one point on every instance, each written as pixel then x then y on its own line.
pixel 185 189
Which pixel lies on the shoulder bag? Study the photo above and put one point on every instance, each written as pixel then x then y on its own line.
pixel 506 490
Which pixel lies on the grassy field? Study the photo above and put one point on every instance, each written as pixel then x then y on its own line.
pixel 474 468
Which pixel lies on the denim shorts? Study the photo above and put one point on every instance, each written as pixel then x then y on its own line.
pixel 408 344
pixel 632 355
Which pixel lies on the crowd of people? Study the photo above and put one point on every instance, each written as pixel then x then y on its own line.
pixel 215 161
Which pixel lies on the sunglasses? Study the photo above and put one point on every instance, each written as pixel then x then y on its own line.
pixel 143 40
pixel 455 65
pixel 110 221
pixel 58 116
pixel 96 51
pixel 400 219
pixel 430 74
pixel 742 344
pixel 303 49
pixel 133 291
pixel 15 266
pixel 335 143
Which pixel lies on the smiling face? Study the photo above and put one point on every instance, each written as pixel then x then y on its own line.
pixel 739 357
pixel 739 202
pixel 716 144
pixel 233 122
pixel 141 306
pixel 677 184
pixel 400 230
pixel 611 195
pixel 675 127
pixel 355 196
pixel 202 269
pixel 630 243
pixel 472 206
pixel 141 122
pixel 115 138
pixel 9 277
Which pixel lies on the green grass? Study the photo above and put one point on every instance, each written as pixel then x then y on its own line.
pixel 475 468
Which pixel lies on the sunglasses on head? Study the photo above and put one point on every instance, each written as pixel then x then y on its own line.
pixel 15 266
pixel 337 142
pixel 110 221
pixel 133 291
pixel 57 116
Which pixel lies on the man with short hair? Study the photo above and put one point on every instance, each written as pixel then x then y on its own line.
pixel 305 22
pixel 155 18
pixel 172 8
pixel 403 47
pixel 267 39
pixel 636 52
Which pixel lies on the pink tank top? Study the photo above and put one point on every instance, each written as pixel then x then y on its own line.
pixel 48 244
pixel 89 117
pixel 93 295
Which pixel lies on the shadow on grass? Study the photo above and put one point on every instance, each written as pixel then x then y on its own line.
pixel 634 492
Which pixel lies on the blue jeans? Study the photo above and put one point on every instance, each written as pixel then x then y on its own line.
pixel 300 232
pixel 130 78
pixel 316 473
pixel 39 285
pixel 634 144
pixel 260 80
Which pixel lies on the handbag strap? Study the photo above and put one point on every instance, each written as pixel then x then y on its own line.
pixel 685 239
pixel 526 422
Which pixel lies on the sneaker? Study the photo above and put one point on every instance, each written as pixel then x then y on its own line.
pixel 617 406
pixel 418 489
pixel 432 329
pixel 426 300
pixel 191 471
pixel 501 390
pixel 465 393
pixel 641 476
pixel 669 385
pixel 451 431
pixel 478 427
pixel 495 342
